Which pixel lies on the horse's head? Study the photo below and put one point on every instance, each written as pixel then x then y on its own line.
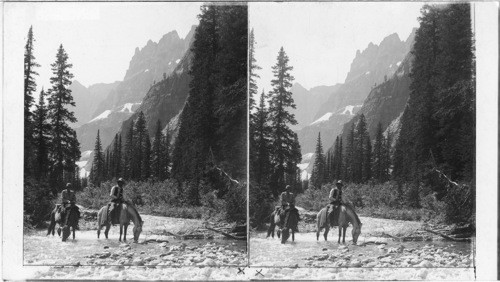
pixel 137 231
pixel 356 230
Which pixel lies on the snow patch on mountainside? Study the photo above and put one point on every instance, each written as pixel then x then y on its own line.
pixel 303 166
pixel 368 72
pixel 325 117
pixel 146 70
pixel 307 157
pixel 304 175
pixel 348 110
pixel 128 107
pixel 177 61
pixel 104 115
pixel 85 154
pixel 398 63
pixel 81 165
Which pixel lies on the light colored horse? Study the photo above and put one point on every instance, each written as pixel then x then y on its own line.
pixel 346 215
pixel 127 213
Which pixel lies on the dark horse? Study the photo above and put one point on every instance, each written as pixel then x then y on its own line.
pixel 346 215
pixel 127 212
pixel 291 224
pixel 283 224
pixel 56 216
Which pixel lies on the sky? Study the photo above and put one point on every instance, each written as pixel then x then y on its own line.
pixel 321 38
pixel 100 38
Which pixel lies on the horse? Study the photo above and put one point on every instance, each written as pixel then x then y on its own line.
pixel 275 220
pixel 290 224
pixel 56 217
pixel 346 215
pixel 127 213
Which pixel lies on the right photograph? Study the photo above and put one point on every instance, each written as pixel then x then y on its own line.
pixel 362 131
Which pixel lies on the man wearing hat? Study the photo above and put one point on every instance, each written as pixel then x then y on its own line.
pixel 287 202
pixel 335 198
pixel 116 198
pixel 68 200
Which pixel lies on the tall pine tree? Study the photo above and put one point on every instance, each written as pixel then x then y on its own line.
pixel 285 152
pixel 64 151
pixel 97 174
pixel 29 88
pixel 318 171
pixel 41 138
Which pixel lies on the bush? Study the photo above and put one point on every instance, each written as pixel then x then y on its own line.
pixel 38 202
pixel 261 206
pixel 459 203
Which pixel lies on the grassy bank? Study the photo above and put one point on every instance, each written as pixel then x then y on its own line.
pixel 166 198
pixel 393 201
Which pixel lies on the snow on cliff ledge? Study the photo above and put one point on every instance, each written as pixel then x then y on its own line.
pixel 104 115
pixel 325 117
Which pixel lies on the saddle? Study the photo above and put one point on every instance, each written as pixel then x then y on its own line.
pixel 114 212
pixel 332 212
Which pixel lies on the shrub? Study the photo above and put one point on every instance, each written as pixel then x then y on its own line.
pixel 459 203
pixel 38 202
pixel 261 206
pixel 235 203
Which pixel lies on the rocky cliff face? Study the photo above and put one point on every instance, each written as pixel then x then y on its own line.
pixel 386 102
pixel 164 100
pixel 87 99
pixel 149 68
pixel 370 68
pixel 308 102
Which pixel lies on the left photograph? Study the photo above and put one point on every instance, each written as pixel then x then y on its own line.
pixel 135 133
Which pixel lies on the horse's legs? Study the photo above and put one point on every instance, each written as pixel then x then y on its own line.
pixel 99 226
pixel 106 231
pixel 121 232
pixel 293 235
pixel 270 230
pixel 343 236
pixel 73 233
pixel 340 233
pixel 326 233
pixel 125 232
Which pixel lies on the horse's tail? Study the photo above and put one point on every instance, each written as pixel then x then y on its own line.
pixel 52 224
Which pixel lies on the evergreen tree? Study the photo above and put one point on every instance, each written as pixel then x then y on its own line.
pixel 349 156
pixel 97 174
pixel 29 88
pixel 318 171
pixel 284 154
pixel 378 154
pixel 252 68
pixel 140 158
pixel 260 151
pixel 157 153
pixel 65 150
pixel 146 162
pixel 41 138
pixel 128 156
pixel 165 157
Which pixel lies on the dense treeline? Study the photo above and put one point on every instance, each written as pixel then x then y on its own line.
pixel 209 153
pixel 436 147
pixel 274 147
pixel 50 145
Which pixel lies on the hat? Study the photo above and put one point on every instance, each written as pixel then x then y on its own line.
pixel 121 180
pixel 68 185
pixel 288 187
pixel 340 182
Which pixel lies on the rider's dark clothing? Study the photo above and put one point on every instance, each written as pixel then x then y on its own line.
pixel 68 200
pixel 116 199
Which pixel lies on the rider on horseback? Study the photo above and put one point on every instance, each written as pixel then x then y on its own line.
pixel 335 198
pixel 116 199
pixel 68 202
pixel 287 203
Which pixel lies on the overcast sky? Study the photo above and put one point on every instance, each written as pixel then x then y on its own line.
pixel 321 38
pixel 100 38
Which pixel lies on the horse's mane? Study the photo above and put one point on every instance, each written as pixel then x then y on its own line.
pixel 135 210
pixel 355 214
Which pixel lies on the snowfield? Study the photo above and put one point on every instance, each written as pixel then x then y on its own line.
pixel 325 117
pixel 104 115
pixel 86 154
pixel 348 110
pixel 128 107
pixel 307 157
